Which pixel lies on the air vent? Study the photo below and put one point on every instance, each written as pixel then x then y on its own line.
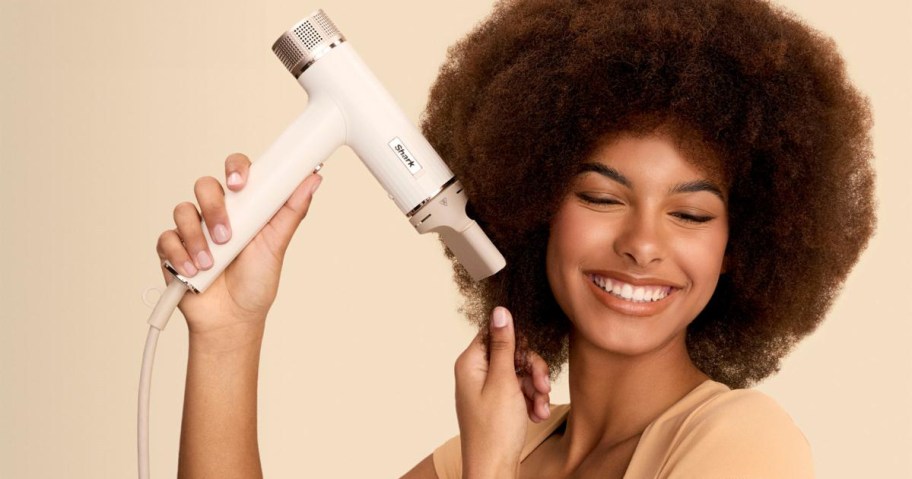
pixel 306 42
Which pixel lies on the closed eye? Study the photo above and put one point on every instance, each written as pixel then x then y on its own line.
pixel 597 201
pixel 689 218
pixel 685 217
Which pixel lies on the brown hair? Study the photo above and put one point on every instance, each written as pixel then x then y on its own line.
pixel 529 93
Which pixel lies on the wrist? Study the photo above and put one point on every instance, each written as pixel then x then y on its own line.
pixel 228 339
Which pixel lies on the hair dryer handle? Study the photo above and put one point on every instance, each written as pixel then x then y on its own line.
pixel 273 177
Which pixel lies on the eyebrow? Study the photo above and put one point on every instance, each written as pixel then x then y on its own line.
pixel 698 185
pixel 687 187
pixel 605 171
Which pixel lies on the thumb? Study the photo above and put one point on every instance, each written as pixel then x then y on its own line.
pixel 286 220
pixel 502 346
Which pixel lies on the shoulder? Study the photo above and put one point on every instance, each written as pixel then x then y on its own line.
pixel 739 433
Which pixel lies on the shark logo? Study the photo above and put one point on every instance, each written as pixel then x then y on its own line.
pixel 404 155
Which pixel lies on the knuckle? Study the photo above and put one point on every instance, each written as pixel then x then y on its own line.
pixel 184 212
pixel 500 345
pixel 169 247
pixel 459 365
pixel 204 184
pixel 199 183
pixel 539 365
pixel 184 207
pixel 160 244
pixel 463 363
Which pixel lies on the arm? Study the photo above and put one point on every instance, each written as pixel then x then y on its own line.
pixel 226 323
pixel 219 428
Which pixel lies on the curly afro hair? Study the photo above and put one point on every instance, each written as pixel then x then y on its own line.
pixel 529 94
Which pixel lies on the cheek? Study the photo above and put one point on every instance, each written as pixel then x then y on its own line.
pixel 563 249
pixel 703 255
pixel 570 237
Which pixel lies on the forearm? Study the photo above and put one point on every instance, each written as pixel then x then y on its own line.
pixel 219 428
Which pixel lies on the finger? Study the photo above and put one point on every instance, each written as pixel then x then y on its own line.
pixel 211 198
pixel 170 248
pixel 530 410
pixel 540 375
pixel 539 381
pixel 542 405
pixel 237 166
pixel 530 401
pixel 190 231
pixel 527 385
pixel 289 216
pixel 502 345
pixel 471 367
pixel 537 403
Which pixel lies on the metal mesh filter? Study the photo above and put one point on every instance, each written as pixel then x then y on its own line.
pixel 307 41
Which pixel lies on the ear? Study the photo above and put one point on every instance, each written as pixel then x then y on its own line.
pixel 725 263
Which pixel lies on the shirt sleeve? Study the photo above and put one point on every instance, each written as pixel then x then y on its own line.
pixel 448 459
pixel 746 435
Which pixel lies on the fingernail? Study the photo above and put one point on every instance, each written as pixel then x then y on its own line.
pixel 500 317
pixel 314 186
pixel 234 179
pixel 220 232
pixel 204 260
pixel 189 269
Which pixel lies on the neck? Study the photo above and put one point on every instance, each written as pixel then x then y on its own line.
pixel 615 397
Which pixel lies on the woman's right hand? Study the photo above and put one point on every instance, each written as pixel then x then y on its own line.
pixel 242 295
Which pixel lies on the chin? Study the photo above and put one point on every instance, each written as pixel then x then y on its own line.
pixel 611 330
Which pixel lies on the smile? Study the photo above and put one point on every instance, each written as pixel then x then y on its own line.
pixel 629 292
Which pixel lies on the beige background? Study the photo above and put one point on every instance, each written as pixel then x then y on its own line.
pixel 109 110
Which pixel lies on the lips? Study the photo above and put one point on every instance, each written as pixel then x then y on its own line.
pixel 631 292
pixel 629 295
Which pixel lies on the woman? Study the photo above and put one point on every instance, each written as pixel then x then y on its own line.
pixel 679 189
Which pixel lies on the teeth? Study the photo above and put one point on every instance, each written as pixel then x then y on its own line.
pixel 655 295
pixel 629 292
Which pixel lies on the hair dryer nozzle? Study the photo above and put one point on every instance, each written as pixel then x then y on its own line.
pixel 446 214
pixel 306 41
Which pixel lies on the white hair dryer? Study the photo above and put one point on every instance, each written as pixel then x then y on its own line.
pixel 347 105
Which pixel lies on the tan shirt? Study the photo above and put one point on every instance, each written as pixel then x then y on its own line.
pixel 713 432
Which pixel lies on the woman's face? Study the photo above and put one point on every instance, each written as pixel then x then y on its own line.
pixel 649 227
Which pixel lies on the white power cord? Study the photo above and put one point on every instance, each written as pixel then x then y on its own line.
pixel 157 320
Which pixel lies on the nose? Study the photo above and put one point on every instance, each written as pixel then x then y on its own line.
pixel 639 241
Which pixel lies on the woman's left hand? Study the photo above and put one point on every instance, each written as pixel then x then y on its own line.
pixel 493 403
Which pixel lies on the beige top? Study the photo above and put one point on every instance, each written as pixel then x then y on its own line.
pixel 713 432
